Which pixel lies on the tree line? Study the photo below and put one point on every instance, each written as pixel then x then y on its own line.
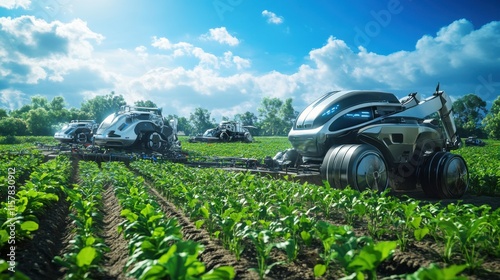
pixel 274 116
pixel 42 117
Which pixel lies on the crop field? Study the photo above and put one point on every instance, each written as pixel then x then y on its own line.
pixel 68 219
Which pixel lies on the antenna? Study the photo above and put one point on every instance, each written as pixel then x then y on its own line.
pixel 437 88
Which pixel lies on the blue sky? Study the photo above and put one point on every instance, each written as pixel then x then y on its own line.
pixel 226 55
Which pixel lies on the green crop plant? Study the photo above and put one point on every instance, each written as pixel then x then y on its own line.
pixel 408 222
pixel 328 235
pixel 263 242
pixel 87 249
pixel 364 265
pixel 42 190
pixel 233 231
pixel 379 212
pixel 434 272
pixel 156 249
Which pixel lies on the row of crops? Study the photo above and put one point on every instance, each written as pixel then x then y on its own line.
pixel 244 210
pixel 483 162
pixel 277 223
pixel 25 202
pixel 156 248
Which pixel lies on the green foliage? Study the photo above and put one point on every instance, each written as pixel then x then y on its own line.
pixel 270 215
pixel 101 106
pixel 145 103
pixel 263 241
pixel 276 116
pixel 434 272
pixel 200 120
pixel 156 249
pixel 483 162
pixel 86 253
pixel 41 191
pixel 259 149
pixel 37 120
pixel 13 126
pixel 247 118
pixel 468 112
pixel 492 120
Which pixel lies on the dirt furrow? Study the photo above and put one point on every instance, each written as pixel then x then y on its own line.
pixel 214 255
pixel 35 256
pixel 53 235
pixel 116 258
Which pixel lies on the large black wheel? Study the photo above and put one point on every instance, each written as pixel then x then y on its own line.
pixel 153 141
pixel 361 167
pixel 444 175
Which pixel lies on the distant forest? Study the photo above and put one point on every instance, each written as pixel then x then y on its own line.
pixel 275 116
pixel 43 117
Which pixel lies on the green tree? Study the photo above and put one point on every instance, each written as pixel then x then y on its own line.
pixel 270 123
pixel 3 113
pixel 22 112
pixel 39 101
pixel 147 103
pixel 200 120
pixel 247 118
pixel 288 115
pixel 101 106
pixel 182 124
pixel 77 114
pixel 492 120
pixel 12 127
pixel 38 122
pixel 468 112
pixel 276 116
pixel 57 110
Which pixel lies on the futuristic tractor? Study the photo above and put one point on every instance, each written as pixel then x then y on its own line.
pixel 77 131
pixel 139 128
pixel 226 131
pixel 372 140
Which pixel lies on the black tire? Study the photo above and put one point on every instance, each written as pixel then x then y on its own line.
pixel 361 167
pixel 224 137
pixel 81 137
pixel 153 141
pixel 444 175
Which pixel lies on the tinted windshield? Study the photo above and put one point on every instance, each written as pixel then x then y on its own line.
pixel 105 124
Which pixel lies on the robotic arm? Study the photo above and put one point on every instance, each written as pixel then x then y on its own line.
pixel 453 140
pixel 439 102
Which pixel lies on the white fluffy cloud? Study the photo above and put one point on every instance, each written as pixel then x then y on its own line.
pixel 36 54
pixel 457 56
pixel 14 4
pixel 221 35
pixel 180 76
pixel 272 17
pixel 32 49
pixel 13 98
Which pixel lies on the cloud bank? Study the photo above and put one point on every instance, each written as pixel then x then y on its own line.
pixel 55 58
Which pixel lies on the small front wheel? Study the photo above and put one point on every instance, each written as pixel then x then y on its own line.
pixel 153 141
pixel 81 138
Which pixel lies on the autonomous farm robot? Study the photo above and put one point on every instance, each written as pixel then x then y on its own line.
pixel 373 140
pixel 137 128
